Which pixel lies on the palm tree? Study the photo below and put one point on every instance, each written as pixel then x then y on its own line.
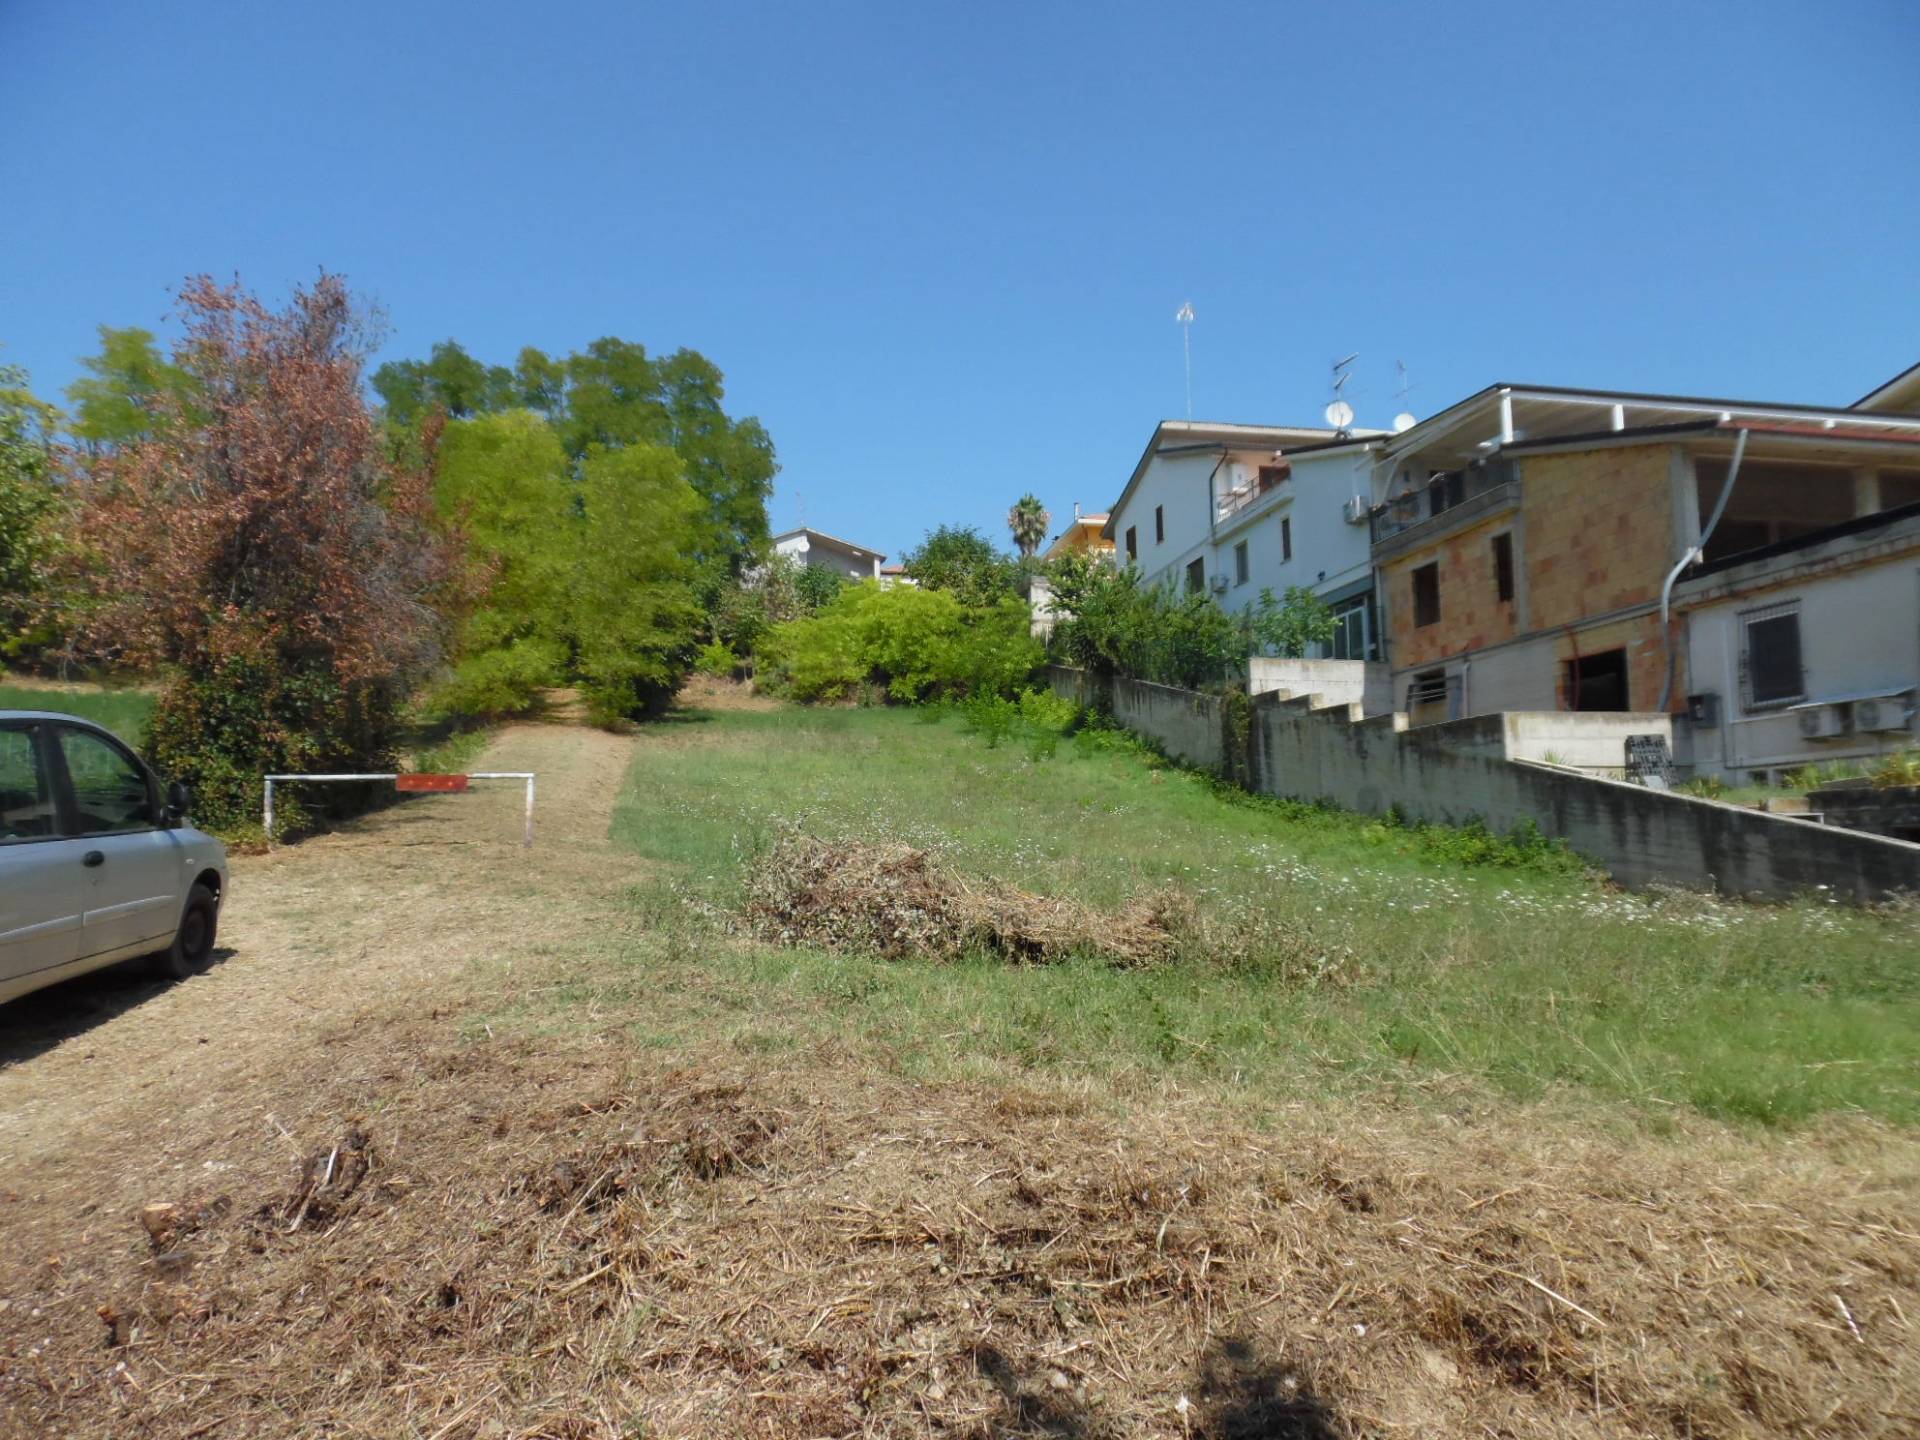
pixel 1028 520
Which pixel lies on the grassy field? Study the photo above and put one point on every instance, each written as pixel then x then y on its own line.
pixel 1349 956
pixel 122 711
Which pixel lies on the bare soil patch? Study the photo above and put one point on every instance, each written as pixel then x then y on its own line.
pixel 354 1211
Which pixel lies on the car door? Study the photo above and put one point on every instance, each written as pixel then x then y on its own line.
pixel 40 870
pixel 131 862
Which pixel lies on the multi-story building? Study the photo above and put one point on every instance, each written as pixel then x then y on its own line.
pixel 1237 509
pixel 1546 549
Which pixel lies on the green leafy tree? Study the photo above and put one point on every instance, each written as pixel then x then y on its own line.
pixel 582 580
pixel 608 396
pixel 30 507
pixel 1290 626
pixel 960 559
pixel 1028 521
pixel 1114 623
pixel 129 387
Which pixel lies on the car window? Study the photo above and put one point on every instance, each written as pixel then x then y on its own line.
pixel 109 790
pixel 26 800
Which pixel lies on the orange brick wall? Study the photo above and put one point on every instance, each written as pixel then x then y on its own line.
pixel 1595 535
pixel 1470 615
pixel 1599 532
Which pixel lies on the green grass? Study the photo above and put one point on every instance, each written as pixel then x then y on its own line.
pixel 124 712
pixel 1355 957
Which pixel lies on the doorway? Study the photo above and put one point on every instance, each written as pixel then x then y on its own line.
pixel 1597 682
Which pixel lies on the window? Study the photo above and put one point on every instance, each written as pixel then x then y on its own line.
pixel 1598 682
pixel 1133 542
pixel 1770 656
pixel 109 790
pixel 1286 538
pixel 1197 574
pixel 1240 563
pixel 1427 687
pixel 1352 630
pixel 26 804
pixel 1159 525
pixel 1503 565
pixel 1426 594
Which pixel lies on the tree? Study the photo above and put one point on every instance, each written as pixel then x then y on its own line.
pixel 1289 627
pixel 959 558
pixel 583 581
pixel 131 383
pixel 1028 520
pixel 611 395
pixel 29 503
pixel 258 543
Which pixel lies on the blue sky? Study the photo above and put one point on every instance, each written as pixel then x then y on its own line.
pixel 938 248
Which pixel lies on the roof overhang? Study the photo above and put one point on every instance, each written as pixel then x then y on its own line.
pixel 1900 394
pixel 1195 437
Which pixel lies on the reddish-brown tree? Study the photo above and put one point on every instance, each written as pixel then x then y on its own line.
pixel 261 547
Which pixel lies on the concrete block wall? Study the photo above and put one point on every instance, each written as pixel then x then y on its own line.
pixel 1343 682
pixel 1462 771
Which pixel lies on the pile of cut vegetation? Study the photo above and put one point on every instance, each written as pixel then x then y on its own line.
pixel 895 901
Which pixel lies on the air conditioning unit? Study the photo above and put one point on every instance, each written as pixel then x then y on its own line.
pixel 1356 510
pixel 1822 722
pixel 1218 584
pixel 1886 712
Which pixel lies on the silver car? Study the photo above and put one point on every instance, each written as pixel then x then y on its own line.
pixel 97 861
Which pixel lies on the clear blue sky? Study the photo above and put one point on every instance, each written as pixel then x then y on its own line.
pixel 938 248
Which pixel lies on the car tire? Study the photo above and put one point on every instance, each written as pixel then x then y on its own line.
pixel 192 947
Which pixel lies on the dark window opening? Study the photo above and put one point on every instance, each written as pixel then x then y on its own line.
pixel 1770 658
pixel 1197 574
pixel 1428 687
pixel 1240 567
pixel 1271 476
pixel 1503 566
pixel 1286 537
pixel 1445 490
pixel 1159 525
pixel 1133 542
pixel 1426 595
pixel 1598 682
pixel 1772 501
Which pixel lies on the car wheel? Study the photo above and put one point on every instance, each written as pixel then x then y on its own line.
pixel 192 944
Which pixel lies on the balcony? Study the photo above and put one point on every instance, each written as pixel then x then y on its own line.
pixel 1447 499
pixel 1266 480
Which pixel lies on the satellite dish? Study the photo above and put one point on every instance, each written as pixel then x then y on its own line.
pixel 1339 414
pixel 1403 422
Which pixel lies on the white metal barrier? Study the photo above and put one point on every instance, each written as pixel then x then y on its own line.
pixel 409 783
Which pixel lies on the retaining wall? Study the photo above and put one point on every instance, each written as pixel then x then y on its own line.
pixel 1462 771
pixel 1342 682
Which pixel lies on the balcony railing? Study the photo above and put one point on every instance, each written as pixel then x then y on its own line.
pixel 1269 479
pixel 1444 492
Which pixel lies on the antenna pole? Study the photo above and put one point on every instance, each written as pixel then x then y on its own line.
pixel 1185 316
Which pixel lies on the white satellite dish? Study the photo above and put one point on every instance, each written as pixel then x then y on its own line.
pixel 1403 422
pixel 1339 414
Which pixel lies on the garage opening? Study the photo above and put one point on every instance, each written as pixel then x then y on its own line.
pixel 1597 682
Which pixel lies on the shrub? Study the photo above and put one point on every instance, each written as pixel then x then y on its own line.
pixel 918 644
pixel 1115 624
pixel 716 659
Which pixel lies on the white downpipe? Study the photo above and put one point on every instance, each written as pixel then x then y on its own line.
pixel 1694 553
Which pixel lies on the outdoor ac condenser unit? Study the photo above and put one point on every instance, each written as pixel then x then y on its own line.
pixel 1891 712
pixel 1356 510
pixel 1822 722
pixel 1218 584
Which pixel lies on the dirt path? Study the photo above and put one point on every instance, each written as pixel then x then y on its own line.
pixel 364 925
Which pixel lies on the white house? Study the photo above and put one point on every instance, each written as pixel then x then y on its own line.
pixel 826 552
pixel 1235 509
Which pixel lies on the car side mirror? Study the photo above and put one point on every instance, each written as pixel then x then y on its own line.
pixel 179 801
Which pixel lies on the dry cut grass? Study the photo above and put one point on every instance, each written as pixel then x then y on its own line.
pixel 521 1245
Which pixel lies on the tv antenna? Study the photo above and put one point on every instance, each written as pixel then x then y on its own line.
pixel 1403 421
pixel 1339 414
pixel 1184 315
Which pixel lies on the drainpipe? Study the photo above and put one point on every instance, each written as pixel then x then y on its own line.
pixel 1696 553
